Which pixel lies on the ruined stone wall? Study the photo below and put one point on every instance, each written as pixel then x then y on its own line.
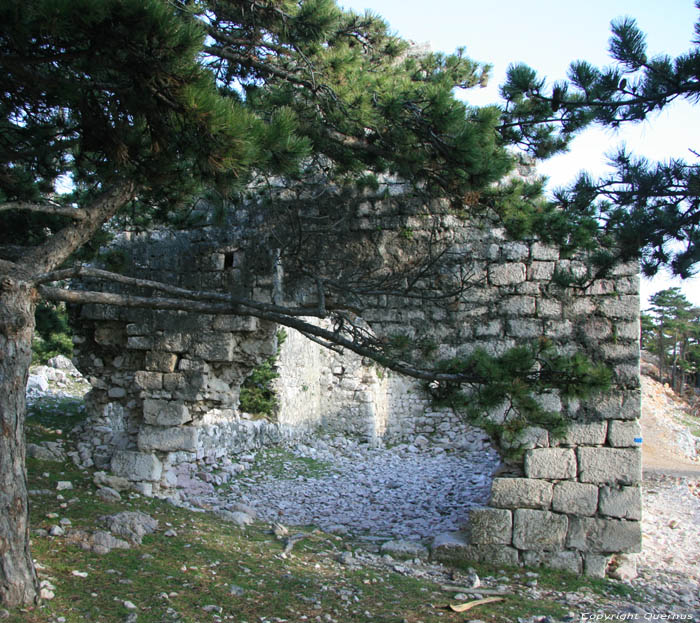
pixel 166 384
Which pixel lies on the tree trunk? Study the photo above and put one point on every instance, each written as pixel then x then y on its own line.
pixel 18 579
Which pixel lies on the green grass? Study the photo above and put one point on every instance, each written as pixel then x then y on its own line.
pixel 175 578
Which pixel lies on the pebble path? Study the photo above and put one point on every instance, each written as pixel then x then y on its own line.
pixel 402 492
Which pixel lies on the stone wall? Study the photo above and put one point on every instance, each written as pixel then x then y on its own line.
pixel 166 384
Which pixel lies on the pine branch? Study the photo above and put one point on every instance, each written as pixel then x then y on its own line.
pixel 44 208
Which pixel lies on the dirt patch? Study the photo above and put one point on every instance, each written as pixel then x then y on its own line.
pixel 668 446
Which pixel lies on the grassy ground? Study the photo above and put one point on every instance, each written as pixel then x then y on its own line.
pixel 213 571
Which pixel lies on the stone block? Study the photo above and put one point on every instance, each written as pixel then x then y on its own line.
pixel 539 530
pixel 565 560
pixel 550 463
pixel 236 323
pixel 558 328
pixel 136 465
pixel 139 342
pixel 595 565
pixel 525 328
pixel 507 274
pixel 576 498
pixel 610 465
pixel 518 306
pixel 489 329
pixel 160 362
pixel 624 434
pixel 165 413
pixel 541 251
pixel 591 434
pixel 590 534
pixel 174 439
pixel 171 342
pixel 541 271
pixel 622 502
pixel 116 392
pixel 521 493
pixel 597 328
pixel 148 380
pixel 515 251
pixel 548 308
pixel 627 330
pixel 108 335
pixel 216 347
pixel 490 526
pixel 623 307
pixel 621 405
pixel 452 547
pixel 529 438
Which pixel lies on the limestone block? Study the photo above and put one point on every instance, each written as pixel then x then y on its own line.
pixel 489 526
pixel 624 307
pixel 624 434
pixel 558 328
pixel 515 251
pixel 591 434
pixel 627 330
pixel 620 352
pixel 507 274
pixel 489 329
pixel 521 493
pixel 541 271
pixel 136 465
pixel 595 565
pixel 622 502
pixel 548 308
pixel 165 413
pixel 525 328
pixel 236 323
pixel 108 335
pixel 622 405
pixel 541 251
pixel 519 306
pixel 171 439
pixel 490 554
pixel 173 381
pixel 583 306
pixel 216 347
pixel 529 438
pixel 576 498
pixel 595 535
pixel 160 362
pixel 148 380
pixel 597 328
pixel 139 342
pixel 610 465
pixel 566 560
pixel 171 342
pixel 539 530
pixel 116 392
pixel 550 463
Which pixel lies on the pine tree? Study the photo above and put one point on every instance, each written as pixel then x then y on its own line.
pixel 647 208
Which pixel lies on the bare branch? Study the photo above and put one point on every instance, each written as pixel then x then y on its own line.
pixel 233 302
pixel 355 342
pixel 44 208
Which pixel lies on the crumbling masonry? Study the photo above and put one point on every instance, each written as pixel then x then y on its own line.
pixel 166 384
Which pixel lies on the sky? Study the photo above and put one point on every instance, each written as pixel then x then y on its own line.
pixel 548 35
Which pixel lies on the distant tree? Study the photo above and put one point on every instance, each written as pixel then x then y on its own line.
pixel 671 331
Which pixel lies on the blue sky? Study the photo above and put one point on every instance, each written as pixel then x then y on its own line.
pixel 548 35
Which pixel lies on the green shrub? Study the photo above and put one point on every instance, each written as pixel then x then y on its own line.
pixel 53 335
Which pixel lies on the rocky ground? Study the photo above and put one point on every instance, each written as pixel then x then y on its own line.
pixel 411 492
